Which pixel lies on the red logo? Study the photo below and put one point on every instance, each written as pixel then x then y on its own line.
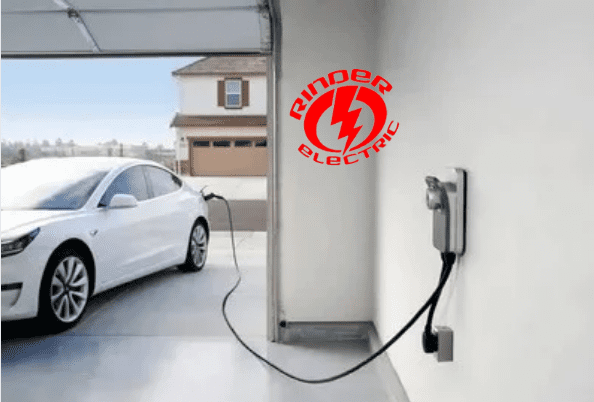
pixel 343 98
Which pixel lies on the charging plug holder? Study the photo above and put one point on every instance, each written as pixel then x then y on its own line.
pixel 447 199
pixel 445 344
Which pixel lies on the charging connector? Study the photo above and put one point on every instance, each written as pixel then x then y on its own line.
pixel 430 341
pixel 447 199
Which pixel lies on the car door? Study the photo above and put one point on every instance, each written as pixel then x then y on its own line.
pixel 172 210
pixel 124 243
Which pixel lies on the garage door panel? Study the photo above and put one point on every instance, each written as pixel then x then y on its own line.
pixel 45 28
pixel 143 4
pixel 229 161
pixel 30 5
pixel 193 30
pixel 40 33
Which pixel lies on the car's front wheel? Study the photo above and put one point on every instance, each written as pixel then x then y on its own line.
pixel 65 289
pixel 197 249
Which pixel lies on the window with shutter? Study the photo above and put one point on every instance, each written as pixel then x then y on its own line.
pixel 233 94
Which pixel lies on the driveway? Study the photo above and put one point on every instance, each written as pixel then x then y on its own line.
pixel 246 196
pixel 232 188
pixel 247 215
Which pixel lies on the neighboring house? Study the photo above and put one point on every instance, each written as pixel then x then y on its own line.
pixel 221 127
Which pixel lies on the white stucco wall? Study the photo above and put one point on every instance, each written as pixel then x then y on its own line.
pixel 198 96
pixel 506 90
pixel 181 147
pixel 326 212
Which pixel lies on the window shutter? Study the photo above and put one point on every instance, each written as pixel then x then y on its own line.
pixel 221 93
pixel 245 93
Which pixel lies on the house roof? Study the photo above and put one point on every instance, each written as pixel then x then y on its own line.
pixel 225 65
pixel 184 120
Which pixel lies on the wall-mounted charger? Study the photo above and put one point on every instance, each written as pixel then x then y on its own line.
pixel 447 199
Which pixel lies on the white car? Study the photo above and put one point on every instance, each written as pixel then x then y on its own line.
pixel 73 227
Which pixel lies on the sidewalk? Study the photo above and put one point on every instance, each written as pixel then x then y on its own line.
pixel 232 188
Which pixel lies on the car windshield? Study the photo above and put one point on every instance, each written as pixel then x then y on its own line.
pixel 41 184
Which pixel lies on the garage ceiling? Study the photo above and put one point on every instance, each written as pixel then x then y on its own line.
pixel 63 28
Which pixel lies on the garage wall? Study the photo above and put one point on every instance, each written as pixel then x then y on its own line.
pixel 326 212
pixel 198 96
pixel 504 89
pixel 181 147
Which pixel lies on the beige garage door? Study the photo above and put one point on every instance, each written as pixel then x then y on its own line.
pixel 229 156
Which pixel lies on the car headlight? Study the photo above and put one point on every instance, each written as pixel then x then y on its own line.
pixel 11 247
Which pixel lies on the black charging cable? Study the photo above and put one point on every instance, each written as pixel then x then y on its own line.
pixel 447 258
pixel 430 340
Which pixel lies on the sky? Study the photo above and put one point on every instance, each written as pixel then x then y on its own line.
pixel 90 100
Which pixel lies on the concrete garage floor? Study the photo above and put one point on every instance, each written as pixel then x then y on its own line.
pixel 163 338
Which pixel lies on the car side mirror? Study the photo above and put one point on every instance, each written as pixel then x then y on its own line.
pixel 123 201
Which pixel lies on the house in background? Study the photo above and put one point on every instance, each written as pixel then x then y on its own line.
pixel 221 126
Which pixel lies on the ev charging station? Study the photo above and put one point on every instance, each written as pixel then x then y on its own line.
pixel 475 86
pixel 88 29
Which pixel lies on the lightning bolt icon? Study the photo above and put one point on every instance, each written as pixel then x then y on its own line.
pixel 342 103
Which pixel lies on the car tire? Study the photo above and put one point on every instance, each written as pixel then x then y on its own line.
pixel 197 249
pixel 65 289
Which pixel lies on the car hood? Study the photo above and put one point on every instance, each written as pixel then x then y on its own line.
pixel 14 222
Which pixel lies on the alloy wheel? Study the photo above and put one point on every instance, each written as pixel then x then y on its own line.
pixel 69 289
pixel 198 246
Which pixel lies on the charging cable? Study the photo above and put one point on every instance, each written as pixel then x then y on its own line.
pixel 430 340
pixel 448 261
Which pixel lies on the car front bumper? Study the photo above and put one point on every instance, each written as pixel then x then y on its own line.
pixel 21 279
